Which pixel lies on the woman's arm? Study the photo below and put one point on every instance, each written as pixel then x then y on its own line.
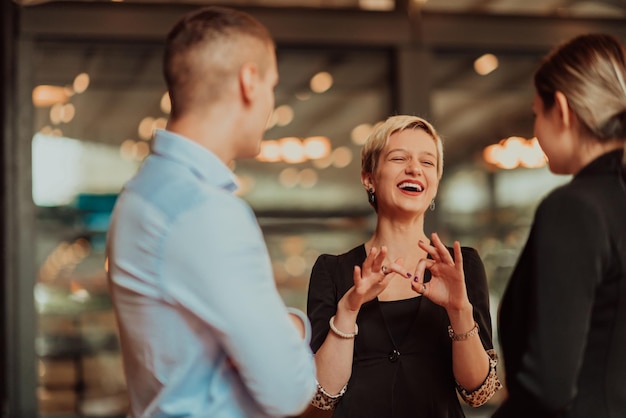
pixel 470 362
pixel 334 356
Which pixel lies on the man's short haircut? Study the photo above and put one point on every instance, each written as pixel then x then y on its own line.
pixel 205 49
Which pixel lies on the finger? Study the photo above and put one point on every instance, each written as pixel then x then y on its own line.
pixel 369 260
pixel 398 268
pixel 419 287
pixel 458 255
pixel 356 274
pixel 442 249
pixel 418 279
pixel 432 251
pixel 419 271
pixel 385 281
pixel 379 259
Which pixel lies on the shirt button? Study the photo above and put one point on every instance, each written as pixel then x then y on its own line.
pixel 394 355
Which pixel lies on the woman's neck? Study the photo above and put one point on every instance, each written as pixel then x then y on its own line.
pixel 591 149
pixel 400 237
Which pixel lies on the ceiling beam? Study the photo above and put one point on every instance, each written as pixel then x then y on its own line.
pixel 513 33
pixel 151 22
pixel 298 26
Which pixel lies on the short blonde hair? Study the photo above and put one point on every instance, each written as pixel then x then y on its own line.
pixel 381 132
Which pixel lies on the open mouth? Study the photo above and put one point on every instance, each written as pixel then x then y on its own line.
pixel 411 187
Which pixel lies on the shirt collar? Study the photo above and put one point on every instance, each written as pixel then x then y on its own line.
pixel 203 163
pixel 610 162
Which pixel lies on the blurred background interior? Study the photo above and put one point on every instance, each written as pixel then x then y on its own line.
pixel 83 93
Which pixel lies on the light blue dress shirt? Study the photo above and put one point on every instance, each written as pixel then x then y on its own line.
pixel 203 329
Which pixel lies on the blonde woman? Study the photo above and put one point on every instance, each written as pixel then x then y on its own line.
pixel 401 323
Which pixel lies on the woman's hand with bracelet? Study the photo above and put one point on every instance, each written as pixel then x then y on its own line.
pixel 447 284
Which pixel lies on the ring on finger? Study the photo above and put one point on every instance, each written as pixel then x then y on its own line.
pixel 383 268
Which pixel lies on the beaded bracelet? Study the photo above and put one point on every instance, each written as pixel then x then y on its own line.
pixel 324 400
pixel 339 333
pixel 462 337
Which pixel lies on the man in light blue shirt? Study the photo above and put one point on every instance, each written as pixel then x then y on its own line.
pixel 203 330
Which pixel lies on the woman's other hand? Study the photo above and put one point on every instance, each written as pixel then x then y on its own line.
pixel 447 284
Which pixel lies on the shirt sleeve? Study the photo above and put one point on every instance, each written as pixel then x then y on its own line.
pixel 322 300
pixel 563 261
pixel 478 294
pixel 222 275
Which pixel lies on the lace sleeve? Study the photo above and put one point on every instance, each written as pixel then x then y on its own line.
pixel 489 387
pixel 324 400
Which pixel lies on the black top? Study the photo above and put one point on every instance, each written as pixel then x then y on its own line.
pixel 401 376
pixel 562 321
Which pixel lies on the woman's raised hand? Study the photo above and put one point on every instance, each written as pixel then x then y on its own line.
pixel 447 284
pixel 371 278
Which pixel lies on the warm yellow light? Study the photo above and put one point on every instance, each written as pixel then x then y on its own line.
pixel 491 153
pixel 342 157
pixel 515 143
pixel 316 147
pixel 145 128
pixel 376 4
pixel 166 104
pixel 321 82
pixel 159 123
pixel 45 95
pixel 360 133
pixel 308 178
pixel 508 159
pixel 68 112
pixel 284 115
pixel 81 82
pixel 56 114
pixel 515 151
pixel 288 177
pixel 292 150
pixel 532 155
pixel 127 150
pixel 142 150
pixel 485 64
pixel 323 163
pixel 270 151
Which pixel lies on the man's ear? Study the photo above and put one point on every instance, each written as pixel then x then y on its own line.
pixel 248 80
pixel 565 113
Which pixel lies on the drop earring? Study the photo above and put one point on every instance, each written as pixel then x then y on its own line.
pixel 432 205
pixel 371 197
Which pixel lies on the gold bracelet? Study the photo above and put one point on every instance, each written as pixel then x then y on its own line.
pixel 339 333
pixel 462 337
